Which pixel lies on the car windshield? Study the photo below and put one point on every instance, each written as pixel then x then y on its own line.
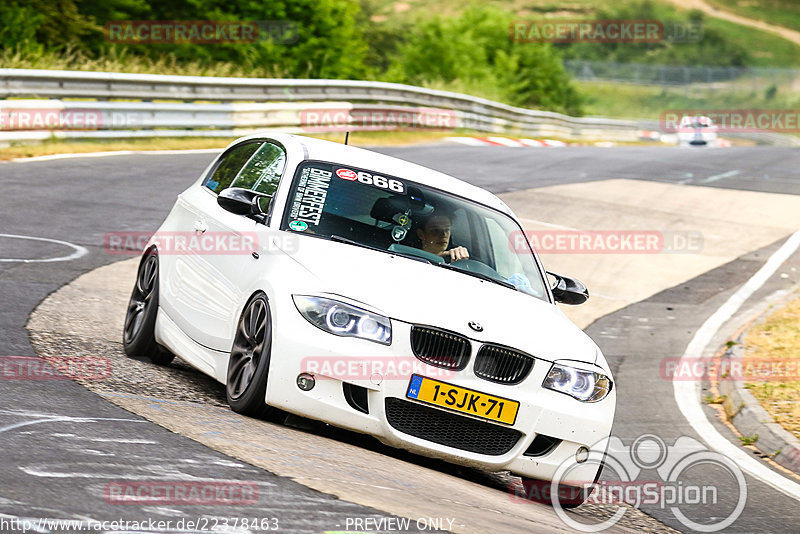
pixel 395 215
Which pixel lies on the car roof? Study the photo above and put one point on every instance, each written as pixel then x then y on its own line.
pixel 319 149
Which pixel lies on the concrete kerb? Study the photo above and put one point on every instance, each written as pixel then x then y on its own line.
pixel 741 409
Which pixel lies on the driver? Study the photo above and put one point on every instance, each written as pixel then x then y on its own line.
pixel 434 233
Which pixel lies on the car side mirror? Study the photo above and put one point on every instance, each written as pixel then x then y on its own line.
pixel 568 290
pixel 242 202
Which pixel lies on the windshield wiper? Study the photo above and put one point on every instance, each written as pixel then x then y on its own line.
pixel 341 239
pixel 482 276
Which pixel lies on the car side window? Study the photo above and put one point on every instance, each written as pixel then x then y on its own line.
pixel 262 173
pixel 263 170
pixel 230 165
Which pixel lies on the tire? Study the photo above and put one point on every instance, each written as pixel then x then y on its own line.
pixel 138 334
pixel 248 365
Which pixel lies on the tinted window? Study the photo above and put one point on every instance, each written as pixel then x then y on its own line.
pixel 229 166
pixel 263 170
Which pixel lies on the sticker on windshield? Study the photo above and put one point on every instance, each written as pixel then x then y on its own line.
pixel 375 180
pixel 299 226
pixel 346 174
pixel 310 196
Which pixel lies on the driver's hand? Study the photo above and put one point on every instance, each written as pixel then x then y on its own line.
pixel 457 253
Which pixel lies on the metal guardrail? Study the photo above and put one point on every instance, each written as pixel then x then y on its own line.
pixel 151 105
pixel 235 104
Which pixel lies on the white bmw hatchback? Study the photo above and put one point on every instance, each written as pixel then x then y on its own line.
pixel 376 295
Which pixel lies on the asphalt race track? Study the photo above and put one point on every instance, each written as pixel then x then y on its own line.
pixel 61 443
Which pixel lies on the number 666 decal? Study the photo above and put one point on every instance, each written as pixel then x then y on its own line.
pixel 372 179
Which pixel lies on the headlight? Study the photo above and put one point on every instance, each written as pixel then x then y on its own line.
pixel 343 319
pixel 586 386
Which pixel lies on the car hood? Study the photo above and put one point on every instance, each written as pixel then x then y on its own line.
pixel 420 293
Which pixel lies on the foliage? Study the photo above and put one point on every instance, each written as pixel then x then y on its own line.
pixel 475 48
pixel 714 48
pixel 329 41
pixel 453 46
pixel 779 12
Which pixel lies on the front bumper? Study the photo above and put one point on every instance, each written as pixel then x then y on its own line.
pixel 384 374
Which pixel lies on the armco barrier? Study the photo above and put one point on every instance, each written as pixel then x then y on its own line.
pixel 198 105
pixel 211 106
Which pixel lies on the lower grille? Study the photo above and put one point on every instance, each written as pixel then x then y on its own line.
pixel 502 365
pixel 450 430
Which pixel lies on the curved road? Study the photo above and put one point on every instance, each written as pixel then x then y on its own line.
pixel 79 200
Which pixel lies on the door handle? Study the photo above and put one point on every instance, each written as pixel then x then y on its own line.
pixel 200 226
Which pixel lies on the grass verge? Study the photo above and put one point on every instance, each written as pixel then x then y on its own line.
pixel 612 99
pixel 778 339
pixel 778 12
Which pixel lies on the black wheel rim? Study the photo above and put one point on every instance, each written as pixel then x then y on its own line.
pixel 248 348
pixel 141 298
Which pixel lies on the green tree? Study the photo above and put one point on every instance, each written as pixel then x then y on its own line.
pixel 476 48
pixel 713 48
pixel 42 23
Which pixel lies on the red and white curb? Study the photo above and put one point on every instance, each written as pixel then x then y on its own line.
pixel 649 135
pixel 537 143
pixel 506 141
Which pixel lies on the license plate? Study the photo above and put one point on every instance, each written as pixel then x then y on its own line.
pixel 462 400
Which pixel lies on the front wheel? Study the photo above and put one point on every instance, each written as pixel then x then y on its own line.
pixel 248 366
pixel 138 335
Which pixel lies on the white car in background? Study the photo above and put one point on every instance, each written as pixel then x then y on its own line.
pixel 339 314
pixel 697 130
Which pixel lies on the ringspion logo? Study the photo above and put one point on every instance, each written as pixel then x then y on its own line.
pixel 648 471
